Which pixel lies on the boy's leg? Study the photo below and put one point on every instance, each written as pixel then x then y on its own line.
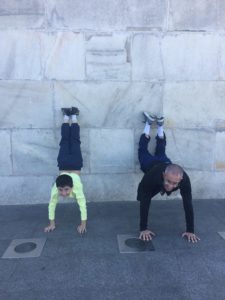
pixel 64 147
pixel 75 150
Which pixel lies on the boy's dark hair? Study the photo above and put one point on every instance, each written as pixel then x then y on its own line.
pixel 64 180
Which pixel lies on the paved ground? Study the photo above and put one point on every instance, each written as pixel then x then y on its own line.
pixel 91 267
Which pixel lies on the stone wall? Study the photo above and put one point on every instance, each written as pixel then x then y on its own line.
pixel 112 59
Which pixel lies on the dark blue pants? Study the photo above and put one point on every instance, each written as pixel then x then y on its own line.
pixel 146 159
pixel 70 157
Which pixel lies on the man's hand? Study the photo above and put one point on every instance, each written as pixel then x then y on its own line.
pixel 146 235
pixel 191 237
pixel 82 227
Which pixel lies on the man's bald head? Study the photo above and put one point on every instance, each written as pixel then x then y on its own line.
pixel 172 177
pixel 175 170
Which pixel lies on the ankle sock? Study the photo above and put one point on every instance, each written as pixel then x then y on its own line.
pixel 66 118
pixel 147 129
pixel 74 119
pixel 160 132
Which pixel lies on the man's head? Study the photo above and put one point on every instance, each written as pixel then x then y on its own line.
pixel 64 184
pixel 172 177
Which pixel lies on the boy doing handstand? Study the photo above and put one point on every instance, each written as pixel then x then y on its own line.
pixel 70 162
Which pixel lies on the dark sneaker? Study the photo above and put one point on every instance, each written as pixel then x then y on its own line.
pixel 149 118
pixel 75 111
pixel 160 121
pixel 66 111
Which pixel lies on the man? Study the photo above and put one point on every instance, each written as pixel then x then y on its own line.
pixel 70 162
pixel 161 176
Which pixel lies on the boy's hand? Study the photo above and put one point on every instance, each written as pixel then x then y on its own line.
pixel 50 227
pixel 82 227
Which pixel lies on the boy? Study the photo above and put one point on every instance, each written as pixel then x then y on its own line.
pixel 70 162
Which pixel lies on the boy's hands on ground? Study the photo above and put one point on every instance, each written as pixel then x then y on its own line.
pixel 191 237
pixel 82 227
pixel 50 227
pixel 146 235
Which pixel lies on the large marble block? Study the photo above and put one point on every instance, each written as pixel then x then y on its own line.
pixel 111 150
pixel 146 57
pixel 26 190
pixel 194 104
pixel 207 185
pixel 220 14
pixel 6 155
pixel 22 55
pixel 110 187
pixel 109 104
pixel 191 56
pixel 108 57
pixel 102 15
pixel 22 14
pixel 190 148
pixel 193 15
pixel 26 104
pixel 220 150
pixel 34 152
pixel 64 56
pixel 221 57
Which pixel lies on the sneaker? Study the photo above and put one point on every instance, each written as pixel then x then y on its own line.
pixel 66 111
pixel 160 121
pixel 149 118
pixel 74 111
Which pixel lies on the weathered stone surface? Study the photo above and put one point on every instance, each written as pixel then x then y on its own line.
pixel 194 104
pixel 5 158
pixel 34 152
pixel 110 187
pixel 22 14
pixel 25 189
pixel 21 55
pixel 146 57
pixel 219 153
pixel 183 56
pixel 102 15
pixel 221 56
pixel 26 104
pixel 220 14
pixel 65 56
pixel 108 57
pixel 191 56
pixel 111 150
pixel 207 185
pixel 193 15
pixel 109 104
pixel 192 149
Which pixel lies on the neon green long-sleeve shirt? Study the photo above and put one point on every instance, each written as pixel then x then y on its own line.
pixel 76 193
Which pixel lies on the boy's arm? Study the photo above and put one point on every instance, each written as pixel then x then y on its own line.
pixel 51 209
pixel 81 200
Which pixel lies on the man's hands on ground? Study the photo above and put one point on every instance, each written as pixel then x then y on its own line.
pixel 146 235
pixel 191 237
pixel 82 227
pixel 50 227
